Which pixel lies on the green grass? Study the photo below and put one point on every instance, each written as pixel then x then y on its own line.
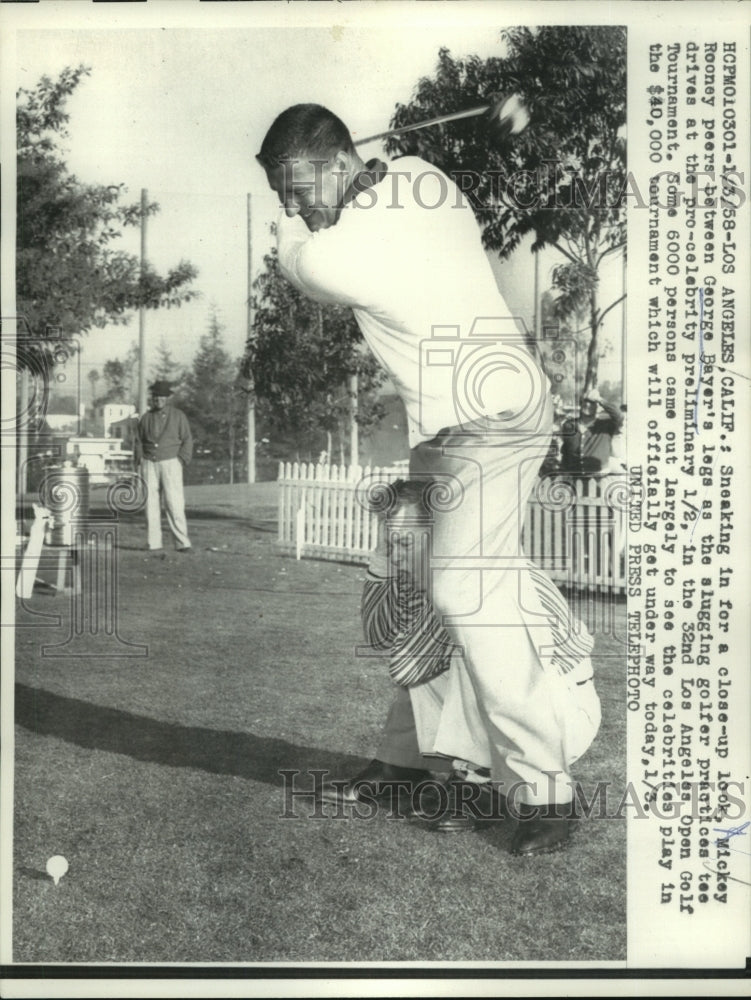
pixel 157 778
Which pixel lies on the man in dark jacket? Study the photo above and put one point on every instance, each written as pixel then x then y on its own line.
pixel 162 447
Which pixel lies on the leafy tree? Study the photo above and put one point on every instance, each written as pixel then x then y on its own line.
pixel 562 351
pixel 64 405
pixel 612 392
pixel 120 379
pixel 121 375
pixel 300 356
pixel 212 397
pixel 165 367
pixel 563 179
pixel 70 277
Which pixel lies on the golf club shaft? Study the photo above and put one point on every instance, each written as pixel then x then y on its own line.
pixel 440 120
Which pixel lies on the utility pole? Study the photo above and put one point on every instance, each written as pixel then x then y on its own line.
pixel 23 424
pixel 142 314
pixel 251 394
pixel 354 445
pixel 79 429
pixel 231 438
pixel 536 314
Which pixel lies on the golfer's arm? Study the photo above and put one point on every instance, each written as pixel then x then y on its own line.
pixel 421 630
pixel 321 265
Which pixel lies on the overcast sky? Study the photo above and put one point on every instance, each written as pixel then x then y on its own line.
pixel 182 112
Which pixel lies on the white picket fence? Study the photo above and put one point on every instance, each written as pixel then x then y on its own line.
pixel 574 528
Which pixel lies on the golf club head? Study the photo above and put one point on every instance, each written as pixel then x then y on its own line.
pixel 506 116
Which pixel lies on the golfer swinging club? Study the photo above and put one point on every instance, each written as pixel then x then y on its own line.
pixel 399 244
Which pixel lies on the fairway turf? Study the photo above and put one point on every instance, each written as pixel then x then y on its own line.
pixel 157 777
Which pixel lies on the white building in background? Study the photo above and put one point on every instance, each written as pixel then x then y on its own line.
pixel 112 413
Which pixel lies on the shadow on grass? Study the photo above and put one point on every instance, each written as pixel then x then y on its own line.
pixel 243 755
pixel 34 873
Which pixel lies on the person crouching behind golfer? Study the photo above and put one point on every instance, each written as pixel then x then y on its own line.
pixel 399 621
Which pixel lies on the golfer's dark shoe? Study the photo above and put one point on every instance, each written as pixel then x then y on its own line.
pixel 457 807
pixel 377 781
pixel 186 551
pixel 543 829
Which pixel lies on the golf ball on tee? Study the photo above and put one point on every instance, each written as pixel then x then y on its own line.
pixel 57 866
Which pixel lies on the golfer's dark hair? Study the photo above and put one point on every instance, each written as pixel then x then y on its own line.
pixel 302 131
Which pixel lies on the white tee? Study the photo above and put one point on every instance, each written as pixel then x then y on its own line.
pixel 406 255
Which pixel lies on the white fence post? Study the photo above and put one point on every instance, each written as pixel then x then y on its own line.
pixel 580 543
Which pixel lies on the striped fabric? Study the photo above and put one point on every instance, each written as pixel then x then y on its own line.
pixel 398 618
pixel 571 640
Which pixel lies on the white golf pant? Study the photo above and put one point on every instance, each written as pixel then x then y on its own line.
pixel 501 686
pixel 164 482
pixel 449 723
